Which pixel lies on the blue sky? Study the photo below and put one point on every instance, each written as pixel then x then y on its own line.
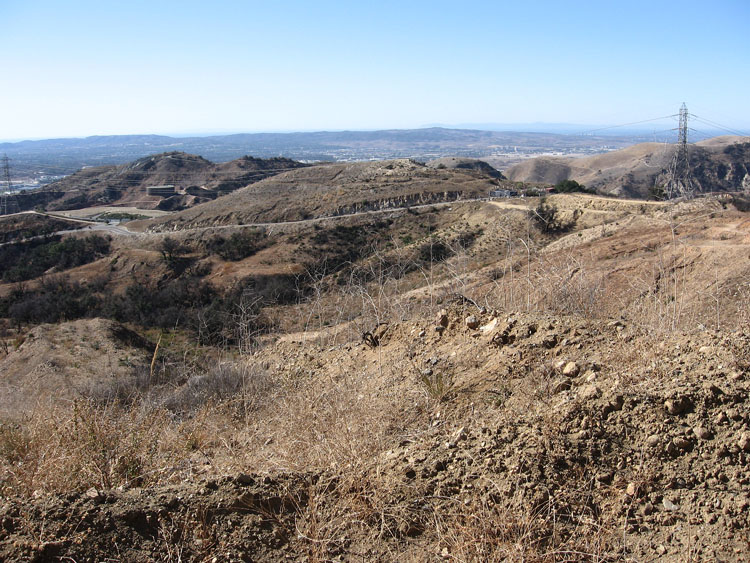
pixel 79 68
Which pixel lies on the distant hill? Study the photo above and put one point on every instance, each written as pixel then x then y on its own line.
pixel 65 156
pixel 195 180
pixel 718 164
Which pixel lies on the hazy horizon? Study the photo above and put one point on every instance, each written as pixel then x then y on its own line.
pixel 86 68
pixel 541 128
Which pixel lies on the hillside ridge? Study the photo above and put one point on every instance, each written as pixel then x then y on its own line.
pixel 719 164
pixel 195 179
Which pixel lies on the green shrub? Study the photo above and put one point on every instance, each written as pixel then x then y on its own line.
pixel 571 186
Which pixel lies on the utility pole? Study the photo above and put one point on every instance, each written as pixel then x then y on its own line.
pixel 680 182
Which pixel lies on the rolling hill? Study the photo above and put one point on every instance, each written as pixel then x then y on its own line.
pixel 718 164
pixel 195 179
pixel 455 381
pixel 335 189
pixel 517 395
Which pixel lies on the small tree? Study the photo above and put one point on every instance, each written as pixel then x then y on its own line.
pixel 548 219
pixel 171 251
pixel 657 192
pixel 546 216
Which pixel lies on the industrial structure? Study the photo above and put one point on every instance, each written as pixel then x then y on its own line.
pixel 161 191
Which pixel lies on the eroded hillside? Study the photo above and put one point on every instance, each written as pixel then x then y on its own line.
pixel 498 436
pixel 337 189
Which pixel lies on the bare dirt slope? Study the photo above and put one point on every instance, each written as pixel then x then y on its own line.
pixel 69 360
pixel 719 164
pixel 579 395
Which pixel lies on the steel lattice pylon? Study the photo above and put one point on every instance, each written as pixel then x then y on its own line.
pixel 8 202
pixel 680 182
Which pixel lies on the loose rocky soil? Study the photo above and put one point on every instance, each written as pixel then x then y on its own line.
pixel 529 437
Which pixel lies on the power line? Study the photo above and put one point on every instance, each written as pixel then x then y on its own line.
pixel 719 126
pixel 626 124
pixel 702 133
pixel 720 118
pixel 672 130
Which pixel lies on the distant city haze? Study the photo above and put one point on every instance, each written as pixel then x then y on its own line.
pixel 41 161
pixel 74 69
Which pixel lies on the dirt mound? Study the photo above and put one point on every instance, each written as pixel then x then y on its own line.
pixel 245 517
pixel 178 202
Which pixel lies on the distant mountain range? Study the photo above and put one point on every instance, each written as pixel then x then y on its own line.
pixel 557 128
pixel 34 159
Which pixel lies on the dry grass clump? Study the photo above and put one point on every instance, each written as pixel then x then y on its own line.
pixel 71 448
pixel 310 425
pixel 232 418
pixel 132 431
pixel 670 288
pixel 481 530
pixel 373 515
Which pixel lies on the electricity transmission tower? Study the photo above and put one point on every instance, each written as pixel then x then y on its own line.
pixel 680 182
pixel 7 190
